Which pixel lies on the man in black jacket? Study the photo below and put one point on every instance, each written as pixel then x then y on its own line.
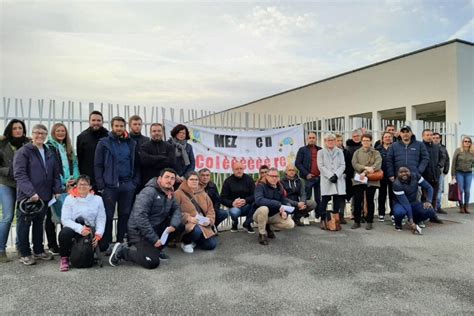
pixel 156 154
pixel 444 172
pixel 86 144
pixel 135 124
pixel 269 200
pixel 154 212
pixel 435 164
pixel 238 195
pixel 211 189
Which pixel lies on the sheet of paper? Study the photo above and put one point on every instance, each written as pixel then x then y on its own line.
pixel 203 220
pixel 288 209
pixel 358 179
pixel 164 237
pixel 52 201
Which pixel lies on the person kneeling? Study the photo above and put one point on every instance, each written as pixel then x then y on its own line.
pixel 270 200
pixel 81 211
pixel 405 189
pixel 155 215
pixel 198 215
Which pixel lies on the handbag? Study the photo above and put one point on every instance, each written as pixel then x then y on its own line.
pixel 334 222
pixel 199 209
pixel 375 176
pixel 454 194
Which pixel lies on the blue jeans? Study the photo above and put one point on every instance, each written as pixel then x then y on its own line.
pixel 221 215
pixel 197 236
pixel 419 213
pixel 440 191
pixel 464 180
pixel 246 210
pixel 7 199
pixel 122 197
pixel 313 185
pixel 23 231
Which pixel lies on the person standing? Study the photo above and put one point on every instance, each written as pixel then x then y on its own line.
pixel 155 154
pixel 87 142
pixel 135 124
pixel 14 137
pixel 36 171
pixel 434 167
pixel 444 172
pixel 60 142
pixel 366 160
pixel 385 183
pixel 184 154
pixel 307 164
pixel 348 174
pixel 461 171
pixel 117 176
pixel 333 185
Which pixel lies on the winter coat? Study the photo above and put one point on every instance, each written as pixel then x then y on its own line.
pixel 352 146
pixel 435 164
pixel 413 156
pixel 303 160
pixel 445 153
pixel 179 166
pixel 33 176
pixel 406 192
pixel 331 162
pixel 91 208
pixel 271 197
pixel 139 139
pixel 294 188
pixel 462 161
pixel 234 188
pixel 152 207
pixel 7 152
pixel 383 153
pixel 106 162
pixel 362 159
pixel 189 210
pixel 213 193
pixel 85 148
pixel 155 155
pixel 64 164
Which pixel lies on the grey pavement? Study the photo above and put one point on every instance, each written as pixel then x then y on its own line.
pixel 303 271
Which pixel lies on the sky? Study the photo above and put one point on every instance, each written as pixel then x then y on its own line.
pixel 206 55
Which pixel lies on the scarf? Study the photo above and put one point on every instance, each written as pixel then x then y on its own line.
pixel 180 147
pixel 17 142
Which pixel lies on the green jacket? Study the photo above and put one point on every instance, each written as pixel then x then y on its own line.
pixel 7 152
pixel 370 158
pixel 462 161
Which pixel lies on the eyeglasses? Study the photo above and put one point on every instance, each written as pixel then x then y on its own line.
pixel 40 133
pixel 193 179
pixel 291 169
pixel 467 141
pixel 272 176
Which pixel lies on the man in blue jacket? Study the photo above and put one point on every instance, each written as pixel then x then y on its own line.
pixel 269 200
pixel 116 169
pixel 405 189
pixel 154 212
pixel 307 164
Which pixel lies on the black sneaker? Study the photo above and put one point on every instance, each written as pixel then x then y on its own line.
pixel 436 220
pixel 270 233
pixel 249 228
pixel 398 228
pixel 441 211
pixel 54 251
pixel 234 228
pixel 298 222
pixel 116 254
pixel 163 256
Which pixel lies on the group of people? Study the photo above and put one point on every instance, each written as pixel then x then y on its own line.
pixel 160 198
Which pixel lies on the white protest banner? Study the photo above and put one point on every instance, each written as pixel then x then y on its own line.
pixel 217 149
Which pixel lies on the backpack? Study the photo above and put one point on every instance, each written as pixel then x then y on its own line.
pixel 82 252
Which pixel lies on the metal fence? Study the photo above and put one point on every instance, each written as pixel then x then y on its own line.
pixel 75 115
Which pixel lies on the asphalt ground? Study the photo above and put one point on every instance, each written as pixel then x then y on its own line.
pixel 303 271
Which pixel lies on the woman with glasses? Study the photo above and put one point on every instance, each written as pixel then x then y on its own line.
pixel 461 171
pixel 198 215
pixel 36 171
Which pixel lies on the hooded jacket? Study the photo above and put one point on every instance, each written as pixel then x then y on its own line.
pixel 33 176
pixel 188 209
pixel 294 188
pixel 7 151
pixel 414 156
pixel 85 147
pixel 271 197
pixel 91 208
pixel 152 208
pixel 106 166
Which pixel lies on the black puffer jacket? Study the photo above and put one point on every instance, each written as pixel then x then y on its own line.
pixel 436 162
pixel 414 156
pixel 152 207
pixel 155 155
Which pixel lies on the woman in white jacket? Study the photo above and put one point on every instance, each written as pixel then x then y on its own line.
pixel 331 164
pixel 81 202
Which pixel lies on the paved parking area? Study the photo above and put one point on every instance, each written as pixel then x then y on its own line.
pixel 303 271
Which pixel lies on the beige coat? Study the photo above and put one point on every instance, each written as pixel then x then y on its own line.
pixel 362 159
pixel 189 210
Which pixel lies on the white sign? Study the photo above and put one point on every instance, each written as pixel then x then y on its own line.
pixel 218 149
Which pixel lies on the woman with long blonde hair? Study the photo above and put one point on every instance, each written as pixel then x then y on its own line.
pixel 461 171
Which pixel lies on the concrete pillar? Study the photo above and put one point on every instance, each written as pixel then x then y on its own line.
pixel 410 113
pixel 417 127
pixel 376 126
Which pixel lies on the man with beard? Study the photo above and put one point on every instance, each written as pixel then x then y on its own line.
pixel 435 165
pixel 405 189
pixel 155 154
pixel 135 124
pixel 117 176
pixel 86 144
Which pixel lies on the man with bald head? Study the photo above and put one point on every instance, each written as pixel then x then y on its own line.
pixel 238 195
pixel 307 164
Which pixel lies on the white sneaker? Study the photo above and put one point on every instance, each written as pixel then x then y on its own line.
pixel 187 248
pixel 306 221
pixel 381 218
pixel 422 224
